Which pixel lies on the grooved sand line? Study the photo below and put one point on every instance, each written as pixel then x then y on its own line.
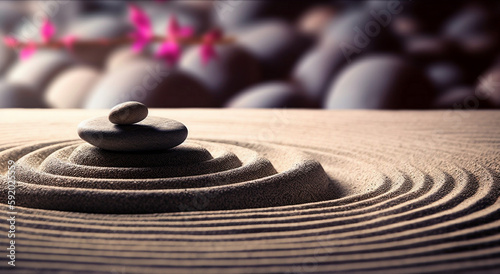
pixel 408 192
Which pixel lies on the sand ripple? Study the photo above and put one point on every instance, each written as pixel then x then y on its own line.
pixel 389 203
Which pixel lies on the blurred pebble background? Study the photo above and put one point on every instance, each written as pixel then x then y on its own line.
pixel 294 54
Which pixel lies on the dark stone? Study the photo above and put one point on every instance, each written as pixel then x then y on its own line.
pixel 197 19
pixel 123 56
pixel 358 33
pixel 445 75
pixel 470 20
pixel 18 96
pixel 380 82
pixel 71 87
pixel 314 21
pixel 277 46
pixel 235 14
pixel 488 86
pixel 233 70
pixel 95 27
pixel 39 70
pixel 430 15
pixel 315 70
pixel 10 15
pixel 270 95
pixel 459 98
pixel 7 57
pixel 151 83
pixel 153 133
pixel 426 49
pixel 475 30
pixel 128 113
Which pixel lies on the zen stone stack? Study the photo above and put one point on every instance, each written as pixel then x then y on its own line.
pixel 129 129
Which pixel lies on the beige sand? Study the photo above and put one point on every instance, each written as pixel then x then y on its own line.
pixel 284 191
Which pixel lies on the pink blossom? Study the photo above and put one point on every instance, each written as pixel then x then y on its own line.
pixel 143 31
pixel 47 30
pixel 175 31
pixel 207 49
pixel 10 41
pixel 69 41
pixel 170 51
pixel 28 51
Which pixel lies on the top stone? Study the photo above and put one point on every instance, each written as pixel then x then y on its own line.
pixel 128 113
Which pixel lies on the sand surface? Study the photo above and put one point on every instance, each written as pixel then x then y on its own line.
pixel 259 191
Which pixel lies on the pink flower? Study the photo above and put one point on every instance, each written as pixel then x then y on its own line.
pixel 47 30
pixel 175 31
pixel 10 41
pixel 28 51
pixel 143 31
pixel 170 51
pixel 69 41
pixel 207 50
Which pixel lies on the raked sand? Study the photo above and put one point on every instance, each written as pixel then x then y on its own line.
pixel 259 191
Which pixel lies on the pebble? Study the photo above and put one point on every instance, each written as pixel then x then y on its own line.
pixel 128 113
pixel 314 71
pixel 151 83
pixel 458 98
pixel 380 82
pixel 445 75
pixel 233 70
pixel 39 70
pixel 151 134
pixel 78 79
pixel 7 57
pixel 19 96
pixel 488 87
pixel 314 20
pixel 232 15
pixel 94 27
pixel 276 44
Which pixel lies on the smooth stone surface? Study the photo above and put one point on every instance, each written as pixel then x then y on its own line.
pixel 470 20
pixel 351 30
pixel 71 87
pixel 197 19
pixel 459 98
pixel 380 82
pixel 315 70
pixel 7 57
pixel 276 44
pixel 128 113
pixel 314 20
pixel 18 96
pixel 123 56
pixel 153 133
pixel 271 95
pixel 235 14
pixel 445 75
pixel 429 15
pixel 425 48
pixel 95 27
pixel 233 70
pixel 38 71
pixel 405 26
pixel 10 14
pixel 151 83
pixel 488 86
